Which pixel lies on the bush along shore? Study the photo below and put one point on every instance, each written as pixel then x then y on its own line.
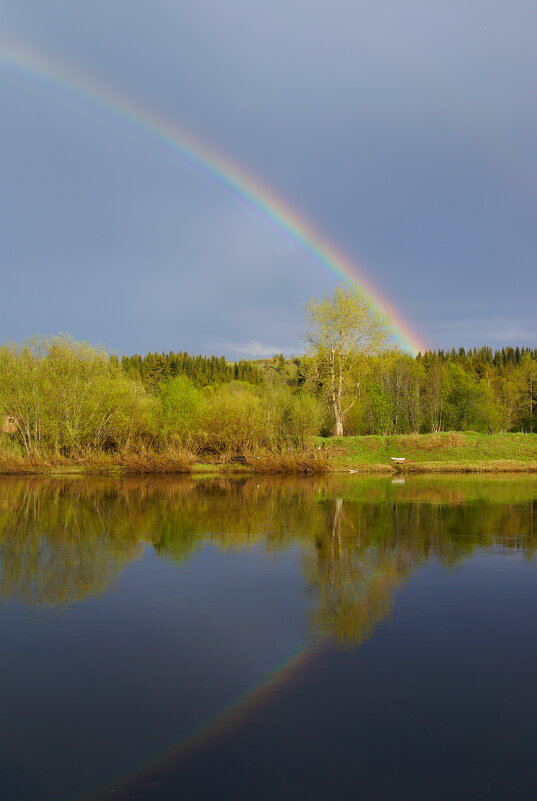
pixel 67 407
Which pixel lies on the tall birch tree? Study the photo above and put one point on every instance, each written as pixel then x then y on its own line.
pixel 342 329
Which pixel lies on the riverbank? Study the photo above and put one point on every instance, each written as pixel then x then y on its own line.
pixel 97 464
pixel 445 452
pixel 312 461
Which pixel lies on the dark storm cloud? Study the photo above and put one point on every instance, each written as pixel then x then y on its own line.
pixel 404 131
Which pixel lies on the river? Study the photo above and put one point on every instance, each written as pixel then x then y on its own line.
pixel 268 638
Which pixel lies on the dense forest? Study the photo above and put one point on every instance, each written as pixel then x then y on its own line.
pixel 201 370
pixel 477 389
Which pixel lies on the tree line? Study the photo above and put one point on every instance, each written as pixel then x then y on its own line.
pixel 369 388
pixel 61 397
pixel 475 390
pixel 67 398
pixel 203 371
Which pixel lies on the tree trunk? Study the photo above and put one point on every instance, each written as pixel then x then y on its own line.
pixel 339 422
pixel 338 413
pixel 336 387
pixel 531 405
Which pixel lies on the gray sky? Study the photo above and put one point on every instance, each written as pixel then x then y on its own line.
pixel 404 131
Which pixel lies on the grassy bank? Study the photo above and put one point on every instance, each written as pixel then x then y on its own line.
pixel 446 452
pixel 451 451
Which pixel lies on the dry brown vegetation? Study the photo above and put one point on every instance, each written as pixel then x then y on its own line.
pixel 135 462
pixel 307 461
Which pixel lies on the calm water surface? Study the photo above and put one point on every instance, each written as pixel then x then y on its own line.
pixel 340 638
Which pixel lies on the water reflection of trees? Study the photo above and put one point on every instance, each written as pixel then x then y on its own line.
pixel 61 541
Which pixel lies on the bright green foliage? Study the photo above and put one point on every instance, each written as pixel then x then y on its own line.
pixel 305 417
pixel 69 399
pixel 238 417
pixel 292 417
pixel 528 380
pixel 390 395
pixel 68 396
pixel 179 409
pixel 233 419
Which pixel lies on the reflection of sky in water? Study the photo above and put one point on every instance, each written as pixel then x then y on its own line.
pixel 109 682
pixel 136 614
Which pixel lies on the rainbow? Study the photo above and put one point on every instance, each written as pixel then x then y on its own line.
pixel 226 718
pixel 26 62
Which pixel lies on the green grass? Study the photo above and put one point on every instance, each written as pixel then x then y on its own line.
pixel 450 450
